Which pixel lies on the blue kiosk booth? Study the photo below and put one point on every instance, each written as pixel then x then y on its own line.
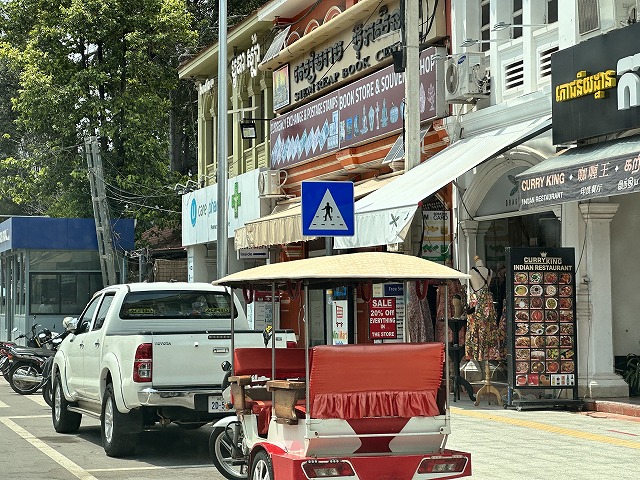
pixel 50 268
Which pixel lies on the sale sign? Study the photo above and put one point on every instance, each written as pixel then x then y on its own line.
pixel 382 318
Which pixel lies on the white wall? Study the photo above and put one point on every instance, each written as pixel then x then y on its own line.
pixel 625 266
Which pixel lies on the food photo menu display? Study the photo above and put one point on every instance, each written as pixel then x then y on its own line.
pixel 542 323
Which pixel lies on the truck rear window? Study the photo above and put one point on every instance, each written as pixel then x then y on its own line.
pixel 176 304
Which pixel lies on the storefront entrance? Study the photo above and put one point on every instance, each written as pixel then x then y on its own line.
pixel 535 230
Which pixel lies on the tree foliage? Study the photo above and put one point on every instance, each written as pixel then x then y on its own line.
pixel 71 69
pixel 103 68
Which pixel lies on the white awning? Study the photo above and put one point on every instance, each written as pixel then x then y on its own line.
pixel 384 216
pixel 284 225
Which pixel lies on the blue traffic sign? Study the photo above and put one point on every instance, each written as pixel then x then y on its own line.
pixel 327 209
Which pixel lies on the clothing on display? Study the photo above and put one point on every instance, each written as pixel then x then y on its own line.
pixel 419 322
pixel 454 287
pixel 483 336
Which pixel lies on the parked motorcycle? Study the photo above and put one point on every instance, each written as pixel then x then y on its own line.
pixel 47 381
pixel 26 375
pixel 32 340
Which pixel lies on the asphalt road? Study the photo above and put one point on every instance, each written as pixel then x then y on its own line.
pixel 504 444
pixel 31 449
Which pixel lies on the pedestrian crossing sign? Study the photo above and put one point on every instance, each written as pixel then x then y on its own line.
pixel 328 209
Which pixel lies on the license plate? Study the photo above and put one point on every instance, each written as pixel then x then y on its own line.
pixel 216 404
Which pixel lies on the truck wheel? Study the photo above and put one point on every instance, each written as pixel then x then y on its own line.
pixel 221 450
pixel 261 467
pixel 64 421
pixel 114 427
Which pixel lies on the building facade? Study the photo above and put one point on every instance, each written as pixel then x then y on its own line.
pixel 50 268
pixel 489 118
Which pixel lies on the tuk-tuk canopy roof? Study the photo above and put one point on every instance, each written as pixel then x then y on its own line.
pixel 341 269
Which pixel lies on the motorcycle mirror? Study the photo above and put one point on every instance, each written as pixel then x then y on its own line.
pixel 226 366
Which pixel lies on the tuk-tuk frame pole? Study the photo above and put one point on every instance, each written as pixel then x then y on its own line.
pixel 306 347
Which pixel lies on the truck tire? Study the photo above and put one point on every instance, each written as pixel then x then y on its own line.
pixel 64 421
pixel 261 467
pixel 115 427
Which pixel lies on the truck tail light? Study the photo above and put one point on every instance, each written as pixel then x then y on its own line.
pixel 438 464
pixel 291 344
pixel 327 469
pixel 143 363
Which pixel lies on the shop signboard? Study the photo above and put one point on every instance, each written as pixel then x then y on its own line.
pixel 260 313
pixel 541 327
pixel 369 108
pixel 601 177
pixel 596 86
pixel 200 207
pixel 348 54
pixel 382 318
pixel 436 236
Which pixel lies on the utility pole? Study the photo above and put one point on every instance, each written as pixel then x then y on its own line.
pixel 411 45
pixel 101 212
pixel 222 246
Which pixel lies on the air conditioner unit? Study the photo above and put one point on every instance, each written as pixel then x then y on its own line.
pixel 270 182
pixel 465 78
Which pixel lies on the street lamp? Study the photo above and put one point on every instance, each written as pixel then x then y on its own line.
pixel 248 127
pixel 504 25
pixel 470 42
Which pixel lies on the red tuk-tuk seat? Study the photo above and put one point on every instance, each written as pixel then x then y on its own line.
pixel 250 396
pixel 257 361
pixel 364 381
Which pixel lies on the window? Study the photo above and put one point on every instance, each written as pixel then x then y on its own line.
pixel 102 311
pixel 485 28
pixel 516 18
pixel 174 304
pixel 552 11
pixel 62 293
pixel 85 319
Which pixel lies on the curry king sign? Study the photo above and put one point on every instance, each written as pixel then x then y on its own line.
pixel 348 54
pixel 597 86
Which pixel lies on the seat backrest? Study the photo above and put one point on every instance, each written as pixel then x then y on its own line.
pixel 363 381
pixel 257 361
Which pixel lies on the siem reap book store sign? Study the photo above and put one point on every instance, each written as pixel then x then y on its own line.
pixel 369 108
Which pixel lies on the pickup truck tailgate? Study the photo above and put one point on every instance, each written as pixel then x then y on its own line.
pixel 189 359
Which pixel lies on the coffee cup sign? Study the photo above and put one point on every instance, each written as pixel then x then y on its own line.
pixel 382 318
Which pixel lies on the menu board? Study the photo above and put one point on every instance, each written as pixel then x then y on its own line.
pixel 541 309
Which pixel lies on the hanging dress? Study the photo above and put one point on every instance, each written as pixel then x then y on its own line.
pixel 454 287
pixel 482 341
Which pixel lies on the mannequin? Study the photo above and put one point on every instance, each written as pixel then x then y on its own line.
pixel 482 340
pixel 480 275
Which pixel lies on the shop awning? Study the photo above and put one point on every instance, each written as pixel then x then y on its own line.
pixel 384 216
pixel 581 173
pixel 284 225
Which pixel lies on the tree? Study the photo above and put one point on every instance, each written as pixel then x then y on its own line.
pixel 94 67
pixel 76 68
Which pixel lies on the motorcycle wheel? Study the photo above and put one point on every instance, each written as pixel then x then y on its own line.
pixel 221 448
pixel 47 393
pixel 22 387
pixel 64 421
pixel 261 467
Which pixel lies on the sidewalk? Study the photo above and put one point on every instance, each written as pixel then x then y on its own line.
pixel 627 406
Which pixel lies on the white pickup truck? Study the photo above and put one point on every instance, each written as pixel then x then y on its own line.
pixel 148 353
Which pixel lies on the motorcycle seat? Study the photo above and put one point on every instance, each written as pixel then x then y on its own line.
pixel 30 351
